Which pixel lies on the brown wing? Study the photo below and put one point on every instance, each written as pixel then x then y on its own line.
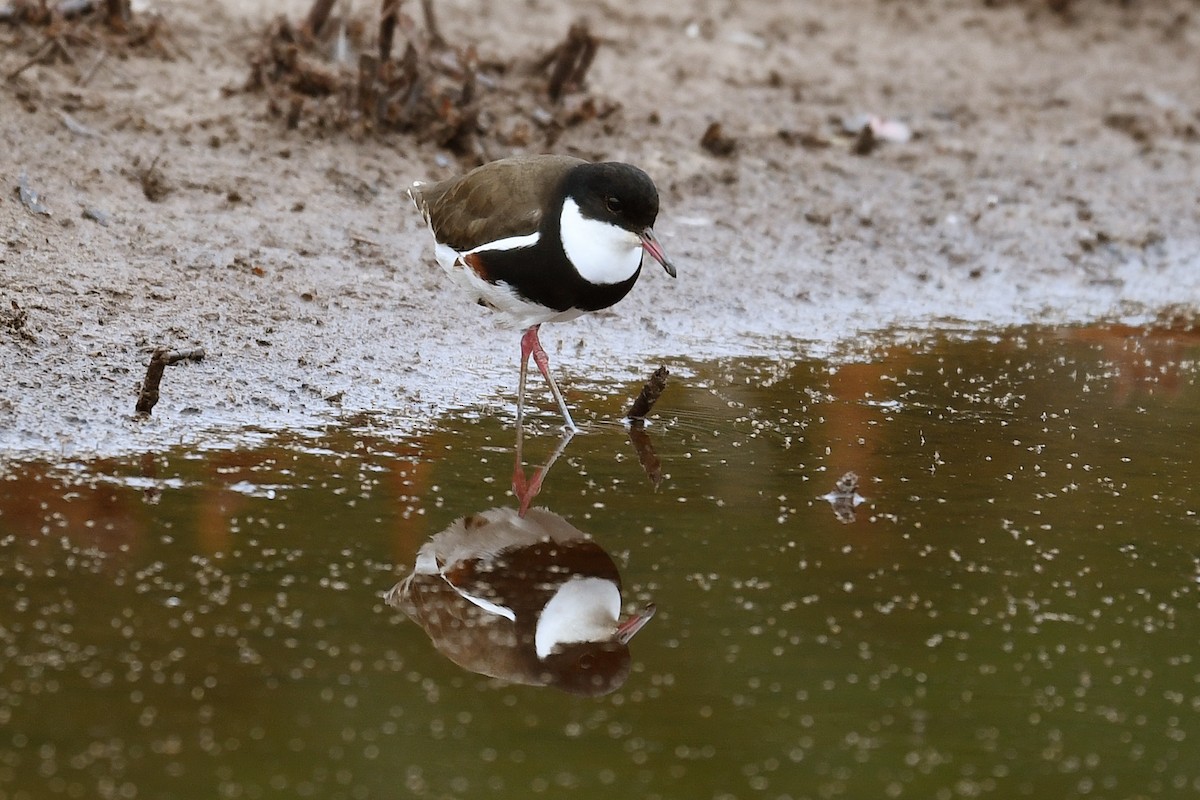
pixel 501 199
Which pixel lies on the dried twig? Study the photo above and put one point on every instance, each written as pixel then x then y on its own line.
pixel 162 358
pixel 317 16
pixel 41 53
pixel 649 395
pixel 15 322
pixel 865 142
pixel 91 71
pixel 717 142
pixel 571 61
pixel 154 183
pixel 844 497
pixel 431 25
pixel 117 14
pixel 389 16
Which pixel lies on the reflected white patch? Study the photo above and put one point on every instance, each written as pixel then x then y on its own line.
pixel 601 252
pixel 582 610
pixel 485 604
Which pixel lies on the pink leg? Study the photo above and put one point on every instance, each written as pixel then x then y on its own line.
pixel 531 346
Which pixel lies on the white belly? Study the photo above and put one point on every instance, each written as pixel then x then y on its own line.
pixel 499 296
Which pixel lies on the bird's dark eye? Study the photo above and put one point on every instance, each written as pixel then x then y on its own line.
pixel 613 204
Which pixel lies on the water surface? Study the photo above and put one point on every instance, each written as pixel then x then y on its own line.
pixel 1010 611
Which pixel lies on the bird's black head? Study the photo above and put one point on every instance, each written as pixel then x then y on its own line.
pixel 590 669
pixel 616 193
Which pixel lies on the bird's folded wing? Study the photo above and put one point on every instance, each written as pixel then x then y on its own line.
pixel 496 201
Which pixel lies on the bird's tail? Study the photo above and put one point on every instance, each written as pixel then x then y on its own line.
pixel 417 193
pixel 398 594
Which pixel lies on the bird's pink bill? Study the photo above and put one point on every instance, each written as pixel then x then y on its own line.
pixel 629 628
pixel 650 245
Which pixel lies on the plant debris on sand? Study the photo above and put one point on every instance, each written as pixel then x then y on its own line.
pixel 67 26
pixel 341 72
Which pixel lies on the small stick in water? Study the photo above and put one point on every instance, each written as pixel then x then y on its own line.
pixel 649 395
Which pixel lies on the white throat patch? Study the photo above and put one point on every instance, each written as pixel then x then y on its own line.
pixel 601 252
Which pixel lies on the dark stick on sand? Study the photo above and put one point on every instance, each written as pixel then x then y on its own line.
pixel 117 13
pixel 569 61
pixel 162 358
pixel 389 17
pixel 431 24
pixel 317 16
pixel 649 395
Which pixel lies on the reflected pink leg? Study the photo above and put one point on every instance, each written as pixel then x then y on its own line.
pixel 527 489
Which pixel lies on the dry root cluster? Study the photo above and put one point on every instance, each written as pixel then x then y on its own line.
pixel 389 75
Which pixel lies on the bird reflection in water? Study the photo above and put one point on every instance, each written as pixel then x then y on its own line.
pixel 524 596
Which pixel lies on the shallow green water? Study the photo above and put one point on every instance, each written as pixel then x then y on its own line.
pixel 1012 612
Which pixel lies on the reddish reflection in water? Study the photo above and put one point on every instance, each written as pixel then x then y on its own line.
pixel 850 430
pixel 93 516
pixel 108 507
pixel 1147 359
